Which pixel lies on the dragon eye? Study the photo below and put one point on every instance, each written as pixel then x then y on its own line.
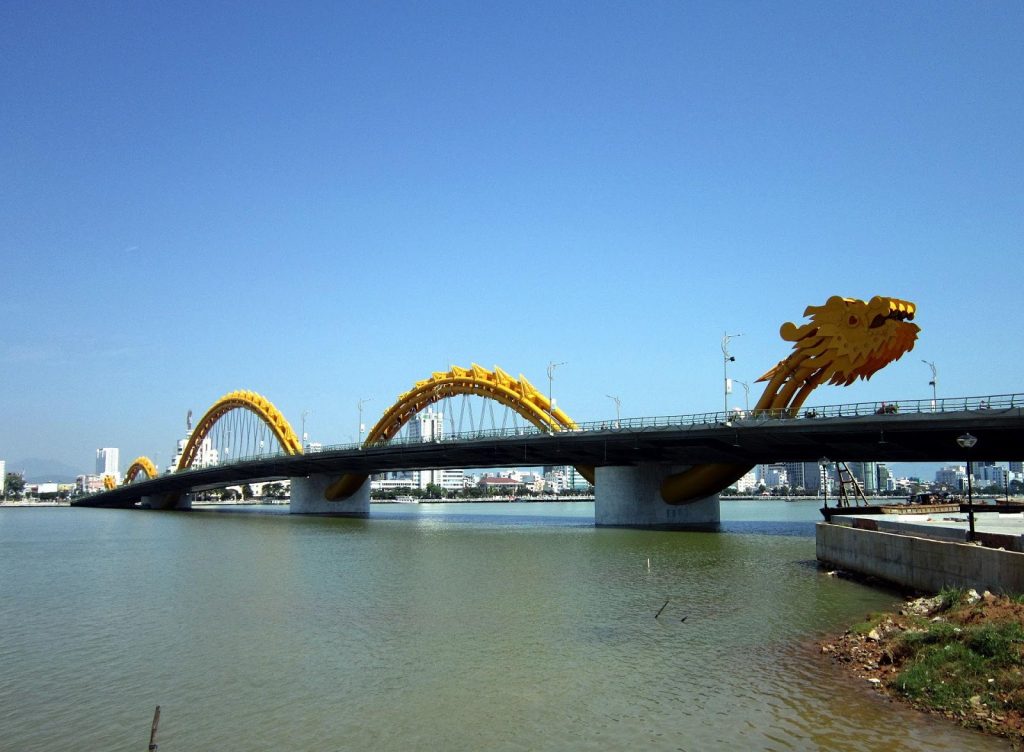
pixel 854 321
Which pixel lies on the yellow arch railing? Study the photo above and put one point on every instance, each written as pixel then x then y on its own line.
pixel 518 394
pixel 142 465
pixel 258 405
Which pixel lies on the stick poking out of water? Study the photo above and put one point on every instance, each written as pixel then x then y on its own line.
pixel 660 610
pixel 152 731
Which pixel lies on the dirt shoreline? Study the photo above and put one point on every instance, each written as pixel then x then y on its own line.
pixel 874 652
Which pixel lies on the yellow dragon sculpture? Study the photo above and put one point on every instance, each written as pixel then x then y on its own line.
pixel 846 339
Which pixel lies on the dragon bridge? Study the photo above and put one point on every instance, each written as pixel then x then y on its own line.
pixel 844 340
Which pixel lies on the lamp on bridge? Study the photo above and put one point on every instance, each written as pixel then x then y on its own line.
pixel 933 382
pixel 359 406
pixel 726 360
pixel 967 441
pixel 823 464
pixel 746 394
pixel 618 409
pixel 551 378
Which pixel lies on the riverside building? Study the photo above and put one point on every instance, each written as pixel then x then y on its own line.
pixel 429 426
pixel 108 462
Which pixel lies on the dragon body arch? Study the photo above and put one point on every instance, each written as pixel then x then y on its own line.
pixel 142 465
pixel 518 394
pixel 242 399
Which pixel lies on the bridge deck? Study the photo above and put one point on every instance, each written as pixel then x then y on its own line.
pixel 889 437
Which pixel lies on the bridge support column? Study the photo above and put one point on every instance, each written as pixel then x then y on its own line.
pixel 308 498
pixel 167 502
pixel 631 497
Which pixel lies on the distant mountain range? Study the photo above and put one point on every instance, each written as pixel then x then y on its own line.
pixel 38 470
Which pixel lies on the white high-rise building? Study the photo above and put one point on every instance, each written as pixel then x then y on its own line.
pixel 866 474
pixel 952 477
pixel 429 426
pixel 748 483
pixel 774 476
pixel 108 463
pixel 449 479
pixel 426 426
pixel 559 478
pixel 993 475
pixel 206 454
pixel 3 477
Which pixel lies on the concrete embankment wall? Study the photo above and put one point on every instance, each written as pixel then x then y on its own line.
pixel 919 563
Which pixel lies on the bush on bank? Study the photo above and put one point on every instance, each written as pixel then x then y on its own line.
pixel 969 660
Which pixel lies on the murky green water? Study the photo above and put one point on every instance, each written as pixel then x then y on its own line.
pixel 508 627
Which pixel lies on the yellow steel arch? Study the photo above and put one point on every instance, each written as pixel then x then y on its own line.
pixel 242 399
pixel 109 484
pixel 140 465
pixel 518 394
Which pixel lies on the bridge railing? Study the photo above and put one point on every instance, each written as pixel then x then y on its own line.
pixel 702 420
pixel 849 410
pixel 736 417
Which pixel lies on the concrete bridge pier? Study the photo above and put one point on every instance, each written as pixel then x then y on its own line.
pixel 167 502
pixel 308 498
pixel 630 496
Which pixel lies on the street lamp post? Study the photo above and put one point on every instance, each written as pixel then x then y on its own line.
pixel 359 406
pixel 304 414
pixel 726 359
pixel 823 463
pixel 551 377
pixel 967 442
pixel 618 408
pixel 933 382
pixel 746 394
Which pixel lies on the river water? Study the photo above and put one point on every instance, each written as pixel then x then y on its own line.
pixel 431 627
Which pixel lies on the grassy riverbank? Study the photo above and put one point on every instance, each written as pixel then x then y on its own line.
pixel 957 654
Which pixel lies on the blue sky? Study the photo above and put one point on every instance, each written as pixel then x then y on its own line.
pixel 327 201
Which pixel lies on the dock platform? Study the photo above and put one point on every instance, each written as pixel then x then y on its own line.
pixel 930 548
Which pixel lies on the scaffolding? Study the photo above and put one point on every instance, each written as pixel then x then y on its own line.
pixel 850 492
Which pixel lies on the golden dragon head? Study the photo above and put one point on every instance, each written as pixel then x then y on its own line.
pixel 847 339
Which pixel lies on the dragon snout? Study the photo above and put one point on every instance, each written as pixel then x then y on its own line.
pixel 893 310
